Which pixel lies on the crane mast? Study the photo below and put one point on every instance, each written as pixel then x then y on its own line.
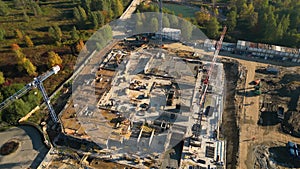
pixel 36 83
pixel 206 81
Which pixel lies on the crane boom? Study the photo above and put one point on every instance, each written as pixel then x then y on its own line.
pixel 206 81
pixel 15 96
pixel 37 82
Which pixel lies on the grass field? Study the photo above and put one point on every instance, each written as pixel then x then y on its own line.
pixel 186 11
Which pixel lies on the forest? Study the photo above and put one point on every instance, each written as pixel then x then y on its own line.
pixel 265 21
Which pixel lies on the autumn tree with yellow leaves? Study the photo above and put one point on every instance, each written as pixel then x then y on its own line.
pixel 54 59
pixel 23 62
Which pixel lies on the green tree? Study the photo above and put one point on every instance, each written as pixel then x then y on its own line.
pixel 83 14
pixel 270 25
pixel 18 4
pixel 53 59
pixel 2 34
pixel 94 20
pixel 86 4
pixel 173 21
pixel 15 111
pixel 2 79
pixel 74 34
pixel 100 18
pixel 33 98
pixel 261 5
pixel 76 15
pixel 154 25
pixel 4 10
pixel 213 28
pixel 248 16
pixel 11 89
pixel 231 20
pixel 138 27
pixel 28 41
pixel 117 7
pixel 36 8
pixel 186 29
pixel 80 16
pixel 55 33
pixel 1 97
pixel 25 17
pixel 166 22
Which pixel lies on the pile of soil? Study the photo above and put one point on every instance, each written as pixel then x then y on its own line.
pixel 291 123
pixel 9 147
pixel 261 153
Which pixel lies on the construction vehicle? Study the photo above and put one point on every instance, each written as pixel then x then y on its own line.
pixel 36 83
pixel 257 87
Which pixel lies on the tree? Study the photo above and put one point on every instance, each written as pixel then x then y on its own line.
pixel 11 89
pixel 2 34
pixel 94 20
pixel 15 111
pixel 248 18
pixel 28 41
pixel 154 24
pixel 139 27
pixel 55 33
pixel 33 98
pixel 1 97
pixel 231 20
pixel 2 79
pixel 202 16
pixel 173 21
pixel 29 67
pixel 15 47
pixel 80 46
pixel 74 34
pixel 270 25
pixel 186 29
pixel 36 8
pixel 82 13
pixel 19 34
pixel 54 59
pixel 25 17
pixel 17 4
pixel 4 10
pixel 165 22
pixel 101 18
pixel 117 7
pixel 23 62
pixel 86 4
pixel 76 14
pixel 213 28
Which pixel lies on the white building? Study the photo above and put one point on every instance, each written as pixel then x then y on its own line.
pixel 170 33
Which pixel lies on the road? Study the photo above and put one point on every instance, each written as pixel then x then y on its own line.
pixel 31 151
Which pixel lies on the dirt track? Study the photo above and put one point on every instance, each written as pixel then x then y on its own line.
pixel 251 135
pixel 229 126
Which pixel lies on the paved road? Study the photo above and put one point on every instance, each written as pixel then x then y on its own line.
pixel 31 151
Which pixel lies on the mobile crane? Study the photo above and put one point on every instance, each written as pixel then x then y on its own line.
pixel 36 83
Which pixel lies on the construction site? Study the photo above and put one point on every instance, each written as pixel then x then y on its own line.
pixel 155 108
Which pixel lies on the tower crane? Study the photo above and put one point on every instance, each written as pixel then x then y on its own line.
pixel 36 83
pixel 206 81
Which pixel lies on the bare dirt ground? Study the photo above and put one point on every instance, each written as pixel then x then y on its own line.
pixel 259 146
